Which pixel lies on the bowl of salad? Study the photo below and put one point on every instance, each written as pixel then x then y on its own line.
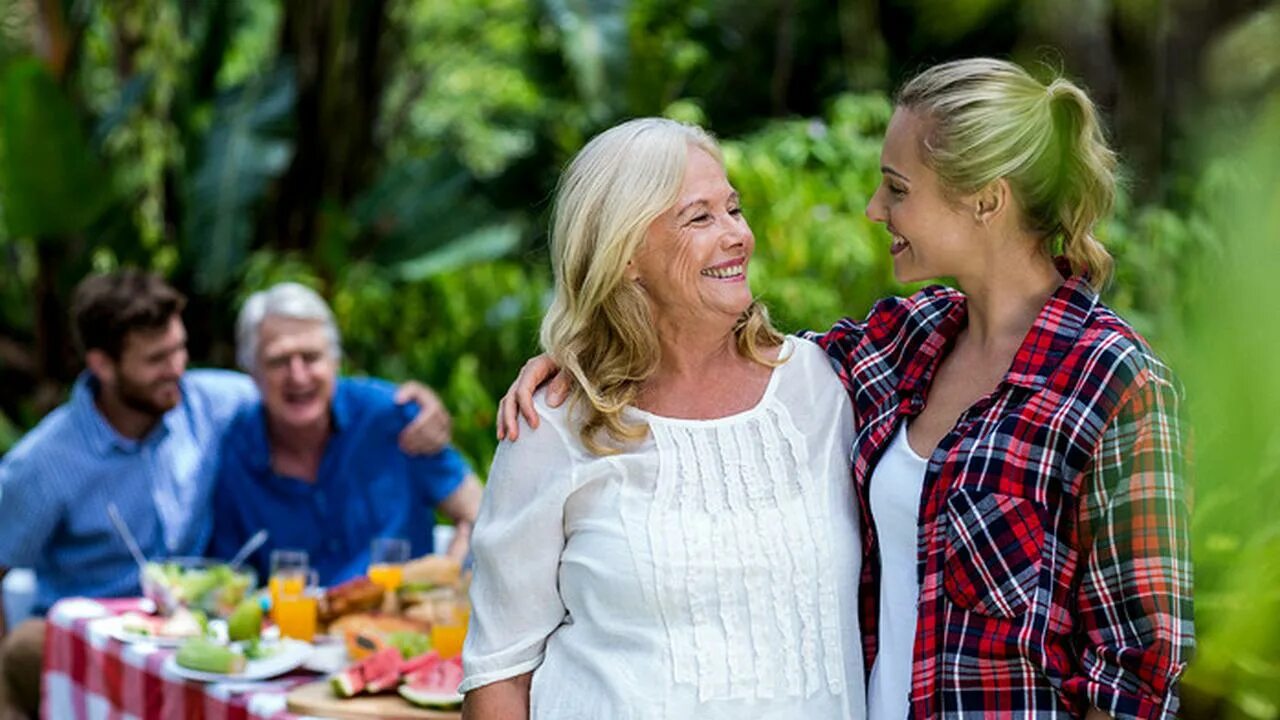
pixel 209 586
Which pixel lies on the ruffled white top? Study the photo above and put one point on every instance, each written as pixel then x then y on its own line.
pixel 709 571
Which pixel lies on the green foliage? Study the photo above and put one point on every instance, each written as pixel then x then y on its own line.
pixel 53 185
pixel 1228 362
pixel 137 132
pixel 464 80
pixel 246 147
pixel 805 185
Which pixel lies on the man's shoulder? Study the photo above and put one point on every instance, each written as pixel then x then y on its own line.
pixel 56 432
pixel 56 453
pixel 216 383
pixel 367 391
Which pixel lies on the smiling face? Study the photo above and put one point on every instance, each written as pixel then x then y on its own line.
pixel 693 263
pixel 145 377
pixel 931 232
pixel 296 371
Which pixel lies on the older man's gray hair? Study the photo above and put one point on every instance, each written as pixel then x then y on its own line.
pixel 288 300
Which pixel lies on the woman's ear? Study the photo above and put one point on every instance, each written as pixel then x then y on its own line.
pixel 991 201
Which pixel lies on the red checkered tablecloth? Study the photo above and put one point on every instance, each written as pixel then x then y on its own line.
pixel 88 675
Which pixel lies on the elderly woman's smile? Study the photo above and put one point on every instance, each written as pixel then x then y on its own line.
pixel 732 270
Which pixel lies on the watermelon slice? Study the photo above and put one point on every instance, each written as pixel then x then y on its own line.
pixel 375 673
pixel 347 683
pixel 414 664
pixel 381 670
pixel 435 683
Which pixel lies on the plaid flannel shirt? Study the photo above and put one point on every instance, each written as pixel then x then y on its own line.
pixel 1053 559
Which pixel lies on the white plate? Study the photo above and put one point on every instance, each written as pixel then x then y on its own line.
pixel 114 627
pixel 328 657
pixel 288 655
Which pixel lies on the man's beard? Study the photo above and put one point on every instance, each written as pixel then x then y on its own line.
pixel 137 397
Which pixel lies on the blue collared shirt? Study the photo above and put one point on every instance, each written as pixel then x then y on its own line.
pixel 366 486
pixel 55 485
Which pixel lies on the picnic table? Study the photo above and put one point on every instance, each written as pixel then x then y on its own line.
pixel 88 675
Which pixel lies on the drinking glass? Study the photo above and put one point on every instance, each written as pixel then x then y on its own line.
pixel 450 614
pixel 297 607
pixel 387 557
pixel 289 573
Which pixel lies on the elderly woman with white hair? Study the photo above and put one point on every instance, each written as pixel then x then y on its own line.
pixel 680 540
pixel 316 462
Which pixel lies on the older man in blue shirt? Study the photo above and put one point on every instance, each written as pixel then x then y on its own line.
pixel 315 462
pixel 139 430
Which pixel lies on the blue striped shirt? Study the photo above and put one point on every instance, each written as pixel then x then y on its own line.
pixel 55 485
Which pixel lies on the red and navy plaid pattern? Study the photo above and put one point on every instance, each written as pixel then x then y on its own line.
pixel 1054 566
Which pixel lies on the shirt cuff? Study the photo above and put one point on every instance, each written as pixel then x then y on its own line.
pixel 480 679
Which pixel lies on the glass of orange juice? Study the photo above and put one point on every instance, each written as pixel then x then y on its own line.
pixel 387 557
pixel 450 614
pixel 296 608
pixel 289 571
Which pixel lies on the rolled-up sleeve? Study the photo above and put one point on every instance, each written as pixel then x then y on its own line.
pixel 517 543
pixel 1134 598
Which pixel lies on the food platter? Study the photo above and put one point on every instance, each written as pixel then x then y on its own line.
pixel 317 699
pixel 286 655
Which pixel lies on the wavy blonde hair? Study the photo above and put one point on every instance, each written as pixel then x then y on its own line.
pixel 990 119
pixel 600 327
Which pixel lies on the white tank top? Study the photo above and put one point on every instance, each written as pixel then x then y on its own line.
pixel 896 484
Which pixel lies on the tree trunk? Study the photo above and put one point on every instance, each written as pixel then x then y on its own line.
pixel 339 54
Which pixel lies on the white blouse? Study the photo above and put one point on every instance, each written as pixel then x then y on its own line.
pixel 708 572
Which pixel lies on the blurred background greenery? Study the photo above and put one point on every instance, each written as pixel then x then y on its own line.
pixel 400 155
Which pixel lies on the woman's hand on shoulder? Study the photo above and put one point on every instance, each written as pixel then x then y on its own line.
pixel 519 398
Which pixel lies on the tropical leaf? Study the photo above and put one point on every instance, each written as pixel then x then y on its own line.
pixel 429 216
pixel 487 243
pixel 247 146
pixel 53 184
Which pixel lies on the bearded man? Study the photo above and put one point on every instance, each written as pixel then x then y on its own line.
pixel 140 431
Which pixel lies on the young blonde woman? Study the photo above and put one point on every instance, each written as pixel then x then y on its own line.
pixel 1018 456
pixel 680 540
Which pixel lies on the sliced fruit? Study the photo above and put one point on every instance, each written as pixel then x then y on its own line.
pixel 412 665
pixel 385 681
pixel 380 665
pixel 361 645
pixel 434 683
pixel 410 644
pixel 245 622
pixel 347 683
pixel 430 698
pixel 208 656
